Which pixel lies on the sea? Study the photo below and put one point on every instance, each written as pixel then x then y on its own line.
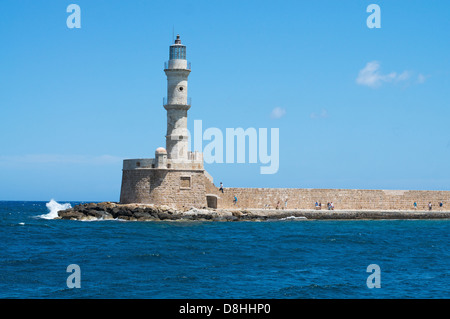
pixel 46 258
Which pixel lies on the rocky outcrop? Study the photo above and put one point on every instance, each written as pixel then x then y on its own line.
pixel 139 212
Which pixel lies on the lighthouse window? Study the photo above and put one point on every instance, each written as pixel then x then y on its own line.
pixel 177 52
pixel 185 182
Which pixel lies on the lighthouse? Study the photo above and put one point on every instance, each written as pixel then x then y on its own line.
pixel 177 103
pixel 175 176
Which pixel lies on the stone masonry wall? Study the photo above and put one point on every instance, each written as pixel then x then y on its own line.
pixel 341 198
pixel 135 186
pixel 176 188
pixel 168 187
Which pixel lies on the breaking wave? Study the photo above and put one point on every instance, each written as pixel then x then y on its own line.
pixel 54 207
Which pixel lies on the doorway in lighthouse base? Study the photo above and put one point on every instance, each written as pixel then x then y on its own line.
pixel 211 200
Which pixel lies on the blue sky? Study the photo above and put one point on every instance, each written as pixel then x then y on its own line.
pixel 357 107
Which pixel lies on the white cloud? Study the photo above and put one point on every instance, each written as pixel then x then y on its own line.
pixel 277 113
pixel 322 115
pixel 403 76
pixel 371 76
pixel 421 78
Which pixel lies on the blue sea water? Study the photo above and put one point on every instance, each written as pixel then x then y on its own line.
pixel 276 259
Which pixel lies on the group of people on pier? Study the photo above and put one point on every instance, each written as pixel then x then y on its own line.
pixel 430 205
pixel 330 205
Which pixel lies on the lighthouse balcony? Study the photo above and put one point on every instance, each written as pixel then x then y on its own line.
pixel 139 163
pixel 190 161
pixel 177 102
pixel 195 156
pixel 194 161
pixel 177 64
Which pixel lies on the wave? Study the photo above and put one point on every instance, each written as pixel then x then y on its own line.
pixel 294 218
pixel 99 219
pixel 54 207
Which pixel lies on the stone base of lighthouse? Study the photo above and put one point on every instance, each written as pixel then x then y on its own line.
pixel 179 184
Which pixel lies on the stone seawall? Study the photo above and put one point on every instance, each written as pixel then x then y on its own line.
pixel 192 188
pixel 343 199
pixel 136 212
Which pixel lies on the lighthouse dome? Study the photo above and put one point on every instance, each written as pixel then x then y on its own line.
pixel 161 150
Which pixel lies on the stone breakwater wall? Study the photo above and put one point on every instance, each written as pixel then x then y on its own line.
pixel 184 188
pixel 343 199
pixel 135 212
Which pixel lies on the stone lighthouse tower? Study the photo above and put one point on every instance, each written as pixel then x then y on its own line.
pixel 176 176
pixel 177 103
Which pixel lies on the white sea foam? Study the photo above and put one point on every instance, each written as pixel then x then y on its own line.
pixel 96 219
pixel 293 217
pixel 54 207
